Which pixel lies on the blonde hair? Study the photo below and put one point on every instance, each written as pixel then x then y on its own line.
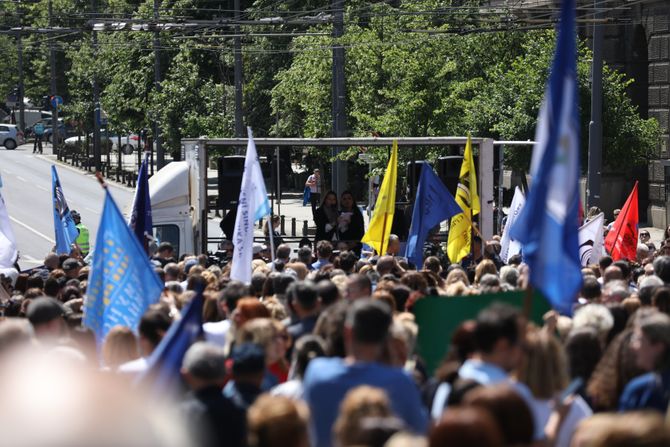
pixel 277 421
pixel 120 346
pixel 545 367
pixel 632 429
pixel 457 275
pixel 360 402
pixel 484 267
pixel 276 309
pixel 261 331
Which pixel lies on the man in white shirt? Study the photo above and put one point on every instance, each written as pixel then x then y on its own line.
pixel 314 183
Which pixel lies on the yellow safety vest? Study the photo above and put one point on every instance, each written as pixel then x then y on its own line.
pixel 82 239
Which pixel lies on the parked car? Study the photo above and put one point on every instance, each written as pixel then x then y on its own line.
pixel 64 131
pixel 10 136
pixel 31 116
pixel 129 143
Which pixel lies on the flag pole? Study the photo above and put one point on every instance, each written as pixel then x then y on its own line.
pixel 381 243
pixel 624 214
pixel 272 242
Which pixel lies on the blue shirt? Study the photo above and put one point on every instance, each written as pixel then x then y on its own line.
pixel 649 391
pixel 328 380
pixel 320 263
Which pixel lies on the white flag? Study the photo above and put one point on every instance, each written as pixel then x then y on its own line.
pixel 8 252
pixel 252 206
pixel 591 247
pixel 508 246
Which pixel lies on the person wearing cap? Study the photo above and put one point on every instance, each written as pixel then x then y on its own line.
pixel 47 314
pixel 82 240
pixel 248 373
pixel 314 183
pixel 71 267
pixel 217 420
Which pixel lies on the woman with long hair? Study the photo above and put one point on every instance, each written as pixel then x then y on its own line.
pixel 651 345
pixel 350 224
pixel 325 218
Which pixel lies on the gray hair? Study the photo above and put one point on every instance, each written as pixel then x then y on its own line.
pixel 509 275
pixel 205 361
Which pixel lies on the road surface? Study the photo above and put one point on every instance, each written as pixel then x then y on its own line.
pixel 26 189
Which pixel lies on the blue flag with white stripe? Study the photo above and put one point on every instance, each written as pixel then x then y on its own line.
pixel 122 281
pixel 548 224
pixel 434 204
pixel 64 226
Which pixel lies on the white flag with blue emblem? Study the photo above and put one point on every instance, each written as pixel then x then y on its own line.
pixel 252 206
pixel 8 252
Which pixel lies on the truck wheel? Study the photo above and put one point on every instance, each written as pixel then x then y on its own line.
pixel 127 149
pixel 10 144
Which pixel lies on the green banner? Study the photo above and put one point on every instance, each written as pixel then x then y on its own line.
pixel 439 316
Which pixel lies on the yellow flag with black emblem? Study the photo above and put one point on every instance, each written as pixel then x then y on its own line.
pixel 460 229
pixel 379 230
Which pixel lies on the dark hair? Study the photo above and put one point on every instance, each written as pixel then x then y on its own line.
pixel 327 292
pixel 347 261
pixel 465 427
pixel 281 283
pixel 662 268
pixel 624 266
pixel 306 349
pixel 330 327
pixel 154 323
pixel 661 299
pixel 303 293
pixel 34 281
pixel 590 288
pixel 324 249
pixel 370 321
pixel 401 294
pixel 325 196
pixel 494 323
pixel 232 293
pixel 605 262
pixel 52 286
pixel 584 351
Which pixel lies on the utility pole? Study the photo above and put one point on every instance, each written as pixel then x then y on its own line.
pixel 339 106
pixel 54 104
pixel 237 50
pixel 160 156
pixel 596 126
pixel 20 92
pixel 97 153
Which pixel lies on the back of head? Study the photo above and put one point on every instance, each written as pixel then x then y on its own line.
pixel 306 349
pixel 248 360
pixel 119 347
pixel 466 427
pixel 594 316
pixel 545 369
pixel 232 293
pixel 205 362
pixel 154 324
pixel 15 333
pixel 43 310
pixel 360 402
pixel 327 292
pixel 590 288
pixel 498 321
pixel 632 429
pixel 369 321
pixel 305 294
pixel 662 268
pixel 584 350
pixel 284 251
pixel 656 328
pixel 508 408
pixel 277 421
pixel 324 249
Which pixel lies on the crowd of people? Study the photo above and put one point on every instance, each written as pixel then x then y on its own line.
pixel 320 350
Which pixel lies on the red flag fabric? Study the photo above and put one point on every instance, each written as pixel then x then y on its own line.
pixel 621 241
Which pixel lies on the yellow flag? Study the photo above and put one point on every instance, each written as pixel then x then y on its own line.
pixel 460 231
pixel 379 230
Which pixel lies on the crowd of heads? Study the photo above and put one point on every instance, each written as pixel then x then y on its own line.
pixel 249 381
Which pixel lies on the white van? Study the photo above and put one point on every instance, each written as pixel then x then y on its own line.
pixel 30 116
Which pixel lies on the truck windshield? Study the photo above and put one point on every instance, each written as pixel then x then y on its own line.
pixel 168 233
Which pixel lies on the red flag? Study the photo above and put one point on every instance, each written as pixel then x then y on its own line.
pixel 621 241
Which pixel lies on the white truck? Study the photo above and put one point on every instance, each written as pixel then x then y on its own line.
pixel 179 190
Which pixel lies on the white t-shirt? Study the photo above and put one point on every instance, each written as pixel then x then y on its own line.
pixel 541 409
pixel 216 332
pixel 315 187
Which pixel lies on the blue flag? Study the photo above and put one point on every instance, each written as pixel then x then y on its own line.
pixel 434 204
pixel 162 373
pixel 140 218
pixel 122 282
pixel 548 224
pixel 64 226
